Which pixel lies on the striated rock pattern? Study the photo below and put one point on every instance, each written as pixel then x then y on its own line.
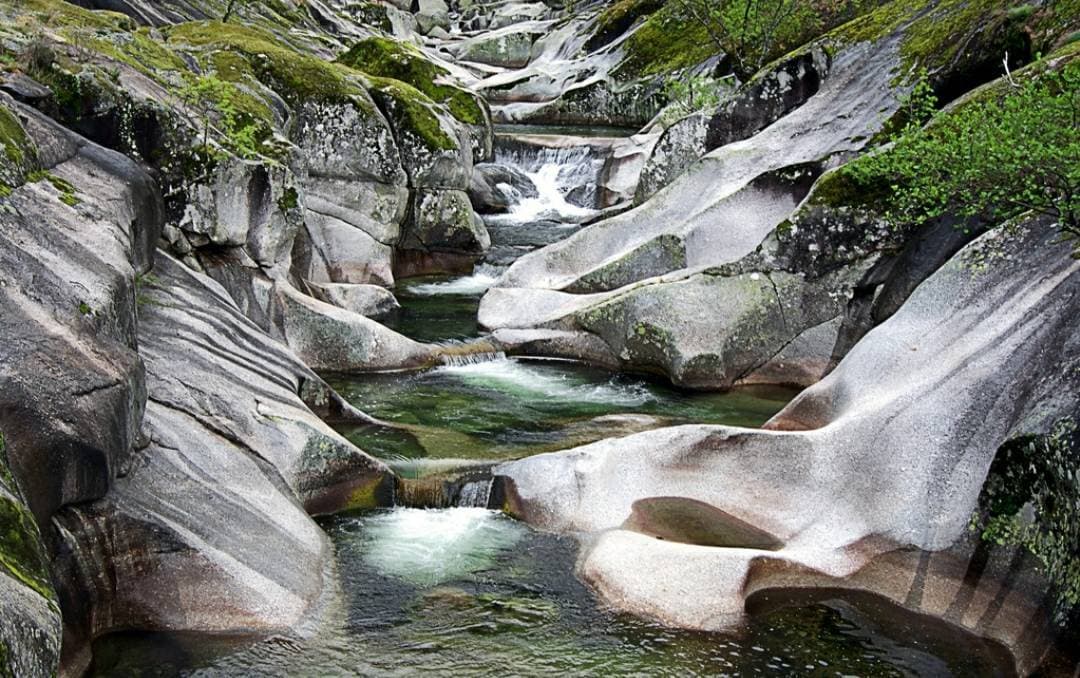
pixel 888 452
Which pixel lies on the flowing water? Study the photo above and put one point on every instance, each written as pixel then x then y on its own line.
pixel 466 591
pixel 506 408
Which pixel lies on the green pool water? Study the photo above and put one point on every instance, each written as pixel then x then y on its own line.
pixel 508 408
pixel 439 308
pixel 468 592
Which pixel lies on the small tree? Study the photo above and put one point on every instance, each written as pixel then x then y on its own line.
pixel 753 32
pixel 750 32
pixel 208 95
pixel 1013 150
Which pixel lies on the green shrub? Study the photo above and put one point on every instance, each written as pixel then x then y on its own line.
pixel 208 95
pixel 689 94
pixel 1011 149
pixel 751 33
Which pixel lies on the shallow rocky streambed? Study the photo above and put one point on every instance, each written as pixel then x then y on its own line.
pixel 464 590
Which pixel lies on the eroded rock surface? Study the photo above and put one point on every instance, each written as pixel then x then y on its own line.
pixel 166 446
pixel 887 452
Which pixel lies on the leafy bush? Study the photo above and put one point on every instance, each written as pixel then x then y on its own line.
pixel 753 32
pixel 1014 148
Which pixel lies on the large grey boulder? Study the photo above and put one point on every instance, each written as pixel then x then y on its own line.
pixel 432 14
pixel 242 204
pixel 680 145
pixel 445 221
pixel 71 384
pixel 233 461
pixel 229 392
pixel 887 452
pixel 367 300
pixel 329 337
pixel 509 47
pixel 169 449
pixel 354 193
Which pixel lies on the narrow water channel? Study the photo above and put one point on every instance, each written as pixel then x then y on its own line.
pixel 466 591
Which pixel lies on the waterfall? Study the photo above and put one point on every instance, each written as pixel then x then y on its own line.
pixel 566 179
pixel 445 491
pixel 466 359
pixel 483 277
pixel 476 493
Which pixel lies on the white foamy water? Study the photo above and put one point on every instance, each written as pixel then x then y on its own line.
pixel 550 202
pixel 555 172
pixel 529 382
pixel 483 277
pixel 427 547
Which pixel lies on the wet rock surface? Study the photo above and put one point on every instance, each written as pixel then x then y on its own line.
pixel 163 305
pixel 887 461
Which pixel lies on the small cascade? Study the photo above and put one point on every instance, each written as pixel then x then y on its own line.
pixel 476 493
pixel 483 277
pixel 566 179
pixel 576 159
pixel 467 488
pixel 467 359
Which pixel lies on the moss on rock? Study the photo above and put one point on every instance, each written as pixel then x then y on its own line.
pixel 618 17
pixel 22 556
pixel 18 156
pixel 386 58
pixel 296 77
pixel 664 44
pixel 412 112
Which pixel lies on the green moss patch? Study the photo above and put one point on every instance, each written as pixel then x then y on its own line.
pixel 618 17
pixel 412 112
pixel 68 192
pixel 21 554
pixel 296 77
pixel 386 58
pixel 666 43
pixel 16 151
pixel 938 34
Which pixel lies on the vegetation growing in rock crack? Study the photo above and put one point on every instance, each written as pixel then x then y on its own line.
pixel 209 96
pixel 689 93
pixel 1032 499
pixel 1007 150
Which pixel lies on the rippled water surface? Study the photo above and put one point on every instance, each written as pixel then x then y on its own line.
pixel 509 407
pixel 468 592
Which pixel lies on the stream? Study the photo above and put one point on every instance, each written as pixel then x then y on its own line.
pixel 464 590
